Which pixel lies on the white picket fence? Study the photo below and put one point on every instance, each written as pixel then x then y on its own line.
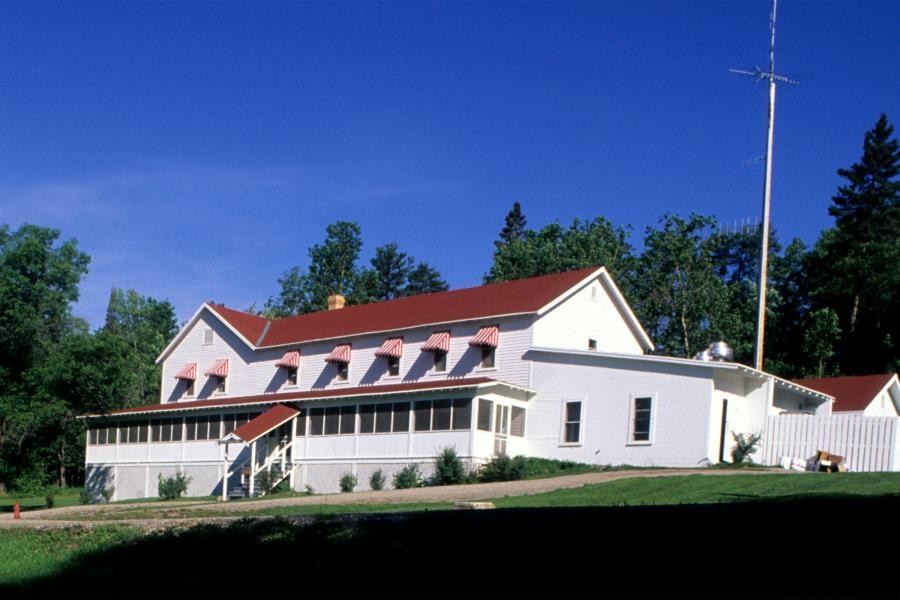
pixel 866 443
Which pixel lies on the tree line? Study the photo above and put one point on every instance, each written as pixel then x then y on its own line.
pixel 832 308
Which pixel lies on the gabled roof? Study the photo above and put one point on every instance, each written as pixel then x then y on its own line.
pixel 851 393
pixel 330 394
pixel 534 295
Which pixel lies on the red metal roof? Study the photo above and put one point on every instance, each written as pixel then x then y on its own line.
pixel 392 347
pixel 368 390
pixel 249 326
pixel 220 369
pixel 188 372
pixel 265 422
pixel 852 393
pixel 486 336
pixel 522 296
pixel 340 354
pixel 437 341
pixel 290 360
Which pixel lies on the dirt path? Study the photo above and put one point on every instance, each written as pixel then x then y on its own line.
pixel 100 514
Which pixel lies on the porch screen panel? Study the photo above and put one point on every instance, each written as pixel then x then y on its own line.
pixel 423 415
pixel 155 430
pixel 214 426
pixel 133 429
pixel 190 428
pixel 177 429
pixel 367 418
pixel 301 422
pixel 348 419
pixel 484 414
pixel 401 417
pixel 317 421
pixel 383 418
pixel 332 420
pixel 462 413
pixel 202 428
pixel 165 427
pixel 441 419
pixel 142 431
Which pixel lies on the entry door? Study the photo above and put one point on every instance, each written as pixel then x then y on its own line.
pixel 501 429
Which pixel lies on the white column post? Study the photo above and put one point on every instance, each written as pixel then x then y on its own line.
pixel 252 466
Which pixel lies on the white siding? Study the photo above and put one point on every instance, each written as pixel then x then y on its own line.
pixel 606 387
pixel 254 372
pixel 588 313
pixel 881 406
pixel 748 405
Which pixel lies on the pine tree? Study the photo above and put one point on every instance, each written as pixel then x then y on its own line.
pixel 515 226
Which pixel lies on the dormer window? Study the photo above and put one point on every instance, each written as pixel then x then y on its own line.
pixel 219 371
pixel 592 344
pixel 188 374
pixel 340 358
pixel 391 351
pixel 439 345
pixel 487 338
pixel 290 362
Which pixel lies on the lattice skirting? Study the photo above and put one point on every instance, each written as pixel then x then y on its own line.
pixel 141 481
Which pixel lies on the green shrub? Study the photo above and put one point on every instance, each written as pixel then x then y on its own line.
pixel 309 491
pixel 348 482
pixel 173 487
pixel 503 468
pixel 448 468
pixel 377 480
pixel 745 444
pixel 50 500
pixel 108 492
pixel 85 498
pixel 266 481
pixel 407 477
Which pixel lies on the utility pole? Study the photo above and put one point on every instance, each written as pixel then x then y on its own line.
pixel 767 192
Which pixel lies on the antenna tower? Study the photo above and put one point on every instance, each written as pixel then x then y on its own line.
pixel 772 78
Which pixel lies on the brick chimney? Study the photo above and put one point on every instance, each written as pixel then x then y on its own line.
pixel 336 302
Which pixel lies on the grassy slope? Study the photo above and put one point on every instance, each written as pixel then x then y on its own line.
pixel 63 497
pixel 702 489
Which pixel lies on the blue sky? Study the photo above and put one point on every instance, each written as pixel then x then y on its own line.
pixel 197 150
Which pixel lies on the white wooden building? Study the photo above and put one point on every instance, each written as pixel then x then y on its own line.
pixel 553 366
pixel 867 395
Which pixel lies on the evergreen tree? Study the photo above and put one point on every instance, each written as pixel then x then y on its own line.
pixel 855 268
pixel 392 269
pixel 423 279
pixel 515 226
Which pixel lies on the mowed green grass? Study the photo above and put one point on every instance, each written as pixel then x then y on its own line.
pixel 27 554
pixel 62 497
pixel 712 489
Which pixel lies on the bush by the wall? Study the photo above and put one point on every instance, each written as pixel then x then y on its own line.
pixel 377 480
pixel 745 444
pixel 448 468
pixel 50 500
pixel 108 493
pixel 170 488
pixel 348 482
pixel 503 468
pixel 407 477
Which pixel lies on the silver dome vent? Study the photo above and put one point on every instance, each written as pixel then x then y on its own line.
pixel 717 351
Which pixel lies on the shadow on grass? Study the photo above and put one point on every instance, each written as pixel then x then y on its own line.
pixel 685 550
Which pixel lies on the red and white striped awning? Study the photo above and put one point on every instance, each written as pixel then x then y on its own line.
pixel 439 341
pixel 220 369
pixel 486 336
pixel 291 360
pixel 391 348
pixel 340 354
pixel 188 373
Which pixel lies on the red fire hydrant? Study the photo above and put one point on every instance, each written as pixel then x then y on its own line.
pixel 16 511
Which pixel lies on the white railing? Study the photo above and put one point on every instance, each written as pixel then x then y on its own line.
pixel 866 443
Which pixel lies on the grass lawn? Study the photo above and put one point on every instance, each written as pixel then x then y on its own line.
pixel 62 497
pixel 33 553
pixel 703 489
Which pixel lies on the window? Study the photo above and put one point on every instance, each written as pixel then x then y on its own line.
pixel 188 387
pixel 317 421
pixel 423 415
pixel 190 429
pixel 177 429
pixel 383 418
pixel 393 365
pixel 440 361
pixel 343 371
pixel 165 427
pixel 332 420
pixel 227 424
pixel 517 424
pixel 220 385
pixel 367 418
pixel 484 414
pixel 641 419
pixel 348 419
pixel 401 417
pixel 501 420
pixel 202 428
pixel 301 423
pixel 292 375
pixel 462 413
pixel 214 425
pixel 592 344
pixel 487 357
pixel 208 337
pixel 572 423
pixel 92 436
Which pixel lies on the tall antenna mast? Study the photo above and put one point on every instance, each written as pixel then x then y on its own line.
pixel 760 75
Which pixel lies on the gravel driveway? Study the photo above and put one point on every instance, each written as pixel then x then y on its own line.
pixel 88 515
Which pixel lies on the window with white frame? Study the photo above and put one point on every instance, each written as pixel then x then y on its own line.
pixel 393 365
pixel 440 361
pixel 292 375
pixel 572 422
pixel 208 337
pixel 343 371
pixel 220 385
pixel 484 414
pixel 592 344
pixel 641 419
pixel 488 357
pixel 188 387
